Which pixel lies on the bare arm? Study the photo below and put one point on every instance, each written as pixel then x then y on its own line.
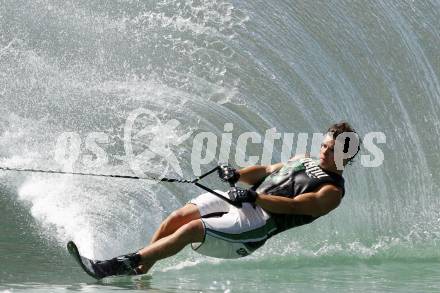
pixel 315 204
pixel 254 174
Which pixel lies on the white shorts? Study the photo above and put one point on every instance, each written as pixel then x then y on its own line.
pixel 231 232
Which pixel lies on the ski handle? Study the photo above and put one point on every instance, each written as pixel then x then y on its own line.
pixel 231 184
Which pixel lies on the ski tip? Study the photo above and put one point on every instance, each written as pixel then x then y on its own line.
pixel 71 246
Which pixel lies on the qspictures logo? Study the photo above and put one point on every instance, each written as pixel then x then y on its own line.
pixel 148 144
pixel 159 146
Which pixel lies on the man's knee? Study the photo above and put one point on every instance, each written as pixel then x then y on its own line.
pixel 185 214
pixel 192 232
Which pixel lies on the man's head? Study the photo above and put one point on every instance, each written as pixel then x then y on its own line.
pixel 339 147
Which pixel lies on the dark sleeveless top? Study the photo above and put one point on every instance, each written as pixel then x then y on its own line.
pixel 294 178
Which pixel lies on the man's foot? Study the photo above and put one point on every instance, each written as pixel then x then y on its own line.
pixel 121 265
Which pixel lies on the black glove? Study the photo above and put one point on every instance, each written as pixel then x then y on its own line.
pixel 239 195
pixel 228 174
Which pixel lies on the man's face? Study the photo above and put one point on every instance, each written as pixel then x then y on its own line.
pixel 326 154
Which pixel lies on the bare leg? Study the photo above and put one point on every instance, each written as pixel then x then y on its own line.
pixel 174 221
pixel 177 219
pixel 169 245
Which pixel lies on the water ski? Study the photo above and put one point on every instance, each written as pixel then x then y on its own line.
pixel 121 265
pixel 86 264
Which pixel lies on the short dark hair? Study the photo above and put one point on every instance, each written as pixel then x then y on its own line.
pixel 342 127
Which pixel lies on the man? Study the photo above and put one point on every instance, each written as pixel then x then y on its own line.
pixel 282 196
